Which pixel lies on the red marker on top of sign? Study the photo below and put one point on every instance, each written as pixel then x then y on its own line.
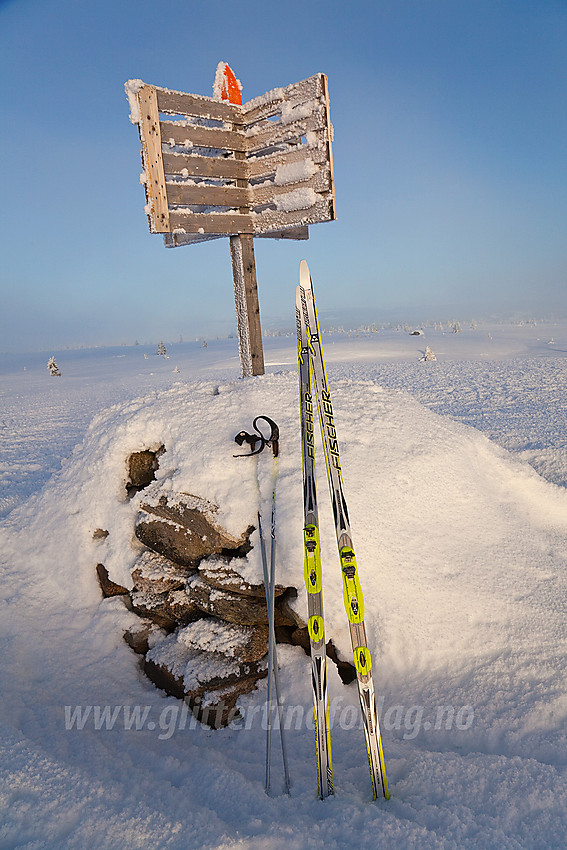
pixel 226 86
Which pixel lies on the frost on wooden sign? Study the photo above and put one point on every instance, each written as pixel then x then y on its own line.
pixel 213 168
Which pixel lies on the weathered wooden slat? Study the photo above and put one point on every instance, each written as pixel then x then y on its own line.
pixel 266 165
pixel 240 156
pixel 177 240
pixel 204 166
pixel 263 194
pixel 204 137
pixel 265 222
pixel 278 133
pixel 276 220
pixel 180 103
pixel 298 233
pixel 286 115
pixel 270 103
pixel 234 223
pixel 153 162
pixel 226 223
pixel 214 196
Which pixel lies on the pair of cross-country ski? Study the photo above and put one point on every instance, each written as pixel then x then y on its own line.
pixel 314 393
pixel 315 396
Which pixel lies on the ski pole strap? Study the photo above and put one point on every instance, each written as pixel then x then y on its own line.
pixel 273 439
pixel 252 439
pixel 244 437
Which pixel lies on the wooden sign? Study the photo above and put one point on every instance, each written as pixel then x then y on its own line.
pixel 214 168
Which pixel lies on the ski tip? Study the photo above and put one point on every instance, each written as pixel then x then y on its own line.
pixel 304 276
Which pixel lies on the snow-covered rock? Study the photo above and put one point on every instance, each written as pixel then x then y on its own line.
pixel 186 531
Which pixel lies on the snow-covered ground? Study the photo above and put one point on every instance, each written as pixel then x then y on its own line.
pixel 455 473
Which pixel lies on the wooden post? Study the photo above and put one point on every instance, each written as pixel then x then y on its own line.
pixel 247 305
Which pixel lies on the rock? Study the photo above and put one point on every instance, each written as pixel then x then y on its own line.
pixel 284 634
pixel 141 634
pixel 192 674
pixel 100 534
pixel 226 606
pixel 154 607
pixel 346 670
pixel 152 573
pixel 108 587
pixel 218 708
pixel 223 576
pixel 246 643
pixel 198 671
pixel 181 607
pixel 232 607
pixel 164 679
pixel 288 616
pixel 142 468
pixel 186 532
pixel 168 609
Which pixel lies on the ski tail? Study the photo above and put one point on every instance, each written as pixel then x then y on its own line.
pixel 312 566
pixel 352 591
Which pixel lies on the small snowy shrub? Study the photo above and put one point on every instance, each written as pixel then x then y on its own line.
pixel 53 367
pixel 427 355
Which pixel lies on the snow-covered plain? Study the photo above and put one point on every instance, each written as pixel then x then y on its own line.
pixel 455 473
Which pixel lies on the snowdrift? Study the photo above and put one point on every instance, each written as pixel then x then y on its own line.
pixel 461 551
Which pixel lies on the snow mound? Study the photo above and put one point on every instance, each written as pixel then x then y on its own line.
pixel 461 551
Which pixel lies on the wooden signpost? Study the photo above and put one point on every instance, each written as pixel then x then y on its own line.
pixel 214 167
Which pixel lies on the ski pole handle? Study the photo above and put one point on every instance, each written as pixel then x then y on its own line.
pixel 244 437
pixel 273 439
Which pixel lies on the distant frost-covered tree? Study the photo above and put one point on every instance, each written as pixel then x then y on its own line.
pixel 53 367
pixel 427 355
pixel 161 349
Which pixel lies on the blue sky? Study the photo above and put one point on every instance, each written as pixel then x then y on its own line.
pixel 450 122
